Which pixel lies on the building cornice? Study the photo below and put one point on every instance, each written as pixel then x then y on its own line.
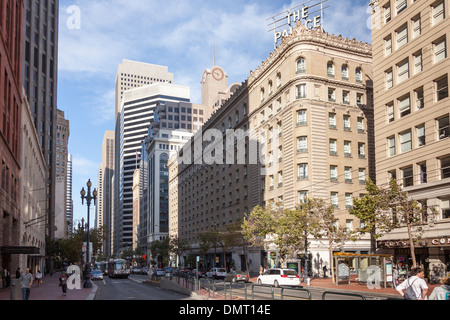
pixel 304 35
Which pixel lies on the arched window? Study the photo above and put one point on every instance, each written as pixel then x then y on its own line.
pixel 330 69
pixel 344 72
pixel 301 65
pixel 358 75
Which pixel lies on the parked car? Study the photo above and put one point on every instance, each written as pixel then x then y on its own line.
pixel 97 275
pixel 279 277
pixel 217 273
pixel 235 276
pixel 136 270
pixel 144 271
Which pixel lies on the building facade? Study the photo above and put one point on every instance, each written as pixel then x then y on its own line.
pixel 411 70
pixel 40 78
pixel 309 108
pixel 106 172
pixel 69 199
pixel 62 156
pixel 33 189
pixel 205 191
pixel 11 15
pixel 136 112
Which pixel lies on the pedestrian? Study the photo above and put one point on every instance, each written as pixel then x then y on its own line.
pixel 18 274
pixel 261 270
pixel 38 277
pixel 415 287
pixel 442 292
pixel 26 280
pixel 7 276
pixel 395 276
pixel 325 272
pixel 63 282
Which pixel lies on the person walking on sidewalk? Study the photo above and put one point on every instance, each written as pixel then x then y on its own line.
pixel 38 277
pixel 63 282
pixel 417 285
pixel 442 292
pixel 26 280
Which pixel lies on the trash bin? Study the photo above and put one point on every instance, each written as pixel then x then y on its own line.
pixel 16 290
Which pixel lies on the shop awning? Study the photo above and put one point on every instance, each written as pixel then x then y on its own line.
pixel 19 250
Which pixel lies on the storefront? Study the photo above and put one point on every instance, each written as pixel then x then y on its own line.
pixel 433 254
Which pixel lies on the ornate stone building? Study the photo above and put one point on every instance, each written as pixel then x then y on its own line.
pixel 309 107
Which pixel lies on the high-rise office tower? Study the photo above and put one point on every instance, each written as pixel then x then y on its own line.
pixel 10 114
pixel 62 155
pixel 106 172
pixel 134 109
pixel 40 64
pixel 69 200
pixel 135 74
pixel 411 76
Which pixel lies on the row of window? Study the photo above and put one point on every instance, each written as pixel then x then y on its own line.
pixel 408 103
pixel 303 175
pixel 302 120
pixel 415 138
pixel 419 174
pixel 301 68
pixel 403 70
pixel 437 12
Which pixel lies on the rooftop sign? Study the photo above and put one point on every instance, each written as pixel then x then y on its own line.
pixel 308 12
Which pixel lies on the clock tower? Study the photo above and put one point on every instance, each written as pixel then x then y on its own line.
pixel 214 84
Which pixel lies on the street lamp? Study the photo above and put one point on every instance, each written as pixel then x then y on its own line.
pixel 89 198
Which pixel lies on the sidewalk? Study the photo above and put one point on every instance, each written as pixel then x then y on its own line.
pixel 50 291
pixel 354 287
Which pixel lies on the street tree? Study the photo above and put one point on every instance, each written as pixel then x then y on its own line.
pixel 178 246
pixel 287 229
pixel 210 239
pixel 328 227
pixel 385 209
pixel 372 210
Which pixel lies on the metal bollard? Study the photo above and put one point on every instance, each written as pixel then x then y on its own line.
pixel 16 290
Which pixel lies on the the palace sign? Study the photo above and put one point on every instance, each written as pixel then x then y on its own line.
pixel 292 16
pixel 441 241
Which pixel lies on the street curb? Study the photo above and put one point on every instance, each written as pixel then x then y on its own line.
pixel 93 292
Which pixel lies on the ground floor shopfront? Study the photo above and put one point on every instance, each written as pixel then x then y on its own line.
pixel 432 254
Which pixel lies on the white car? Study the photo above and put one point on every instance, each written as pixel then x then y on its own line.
pixel 279 277
pixel 217 273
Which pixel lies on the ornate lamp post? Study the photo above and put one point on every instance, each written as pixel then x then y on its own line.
pixel 89 198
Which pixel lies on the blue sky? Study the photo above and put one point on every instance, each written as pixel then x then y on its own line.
pixel 179 34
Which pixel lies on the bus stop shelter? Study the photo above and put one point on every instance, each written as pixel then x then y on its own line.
pixel 362 266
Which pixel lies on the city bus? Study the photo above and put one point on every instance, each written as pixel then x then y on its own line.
pixel 118 268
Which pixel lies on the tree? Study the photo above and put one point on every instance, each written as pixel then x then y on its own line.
pixel 178 246
pixel 288 229
pixel 160 251
pixel 328 227
pixel 386 209
pixel 409 212
pixel 236 238
pixel 371 209
pixel 209 239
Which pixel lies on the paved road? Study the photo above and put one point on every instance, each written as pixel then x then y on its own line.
pixel 133 289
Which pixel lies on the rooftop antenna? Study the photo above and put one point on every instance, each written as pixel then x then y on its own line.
pixel 214 55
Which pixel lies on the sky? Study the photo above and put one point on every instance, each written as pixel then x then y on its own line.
pixel 96 35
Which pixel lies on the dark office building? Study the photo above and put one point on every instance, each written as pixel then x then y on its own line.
pixel 40 63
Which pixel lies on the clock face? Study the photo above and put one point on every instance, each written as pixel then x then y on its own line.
pixel 204 77
pixel 218 74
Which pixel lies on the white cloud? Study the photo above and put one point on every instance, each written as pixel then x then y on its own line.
pixel 83 166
